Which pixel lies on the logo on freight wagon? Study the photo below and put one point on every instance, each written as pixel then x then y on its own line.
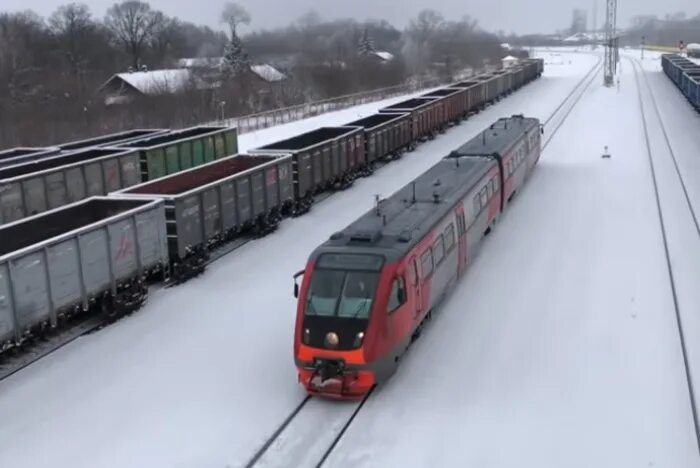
pixel 190 211
pixel 270 178
pixel 124 246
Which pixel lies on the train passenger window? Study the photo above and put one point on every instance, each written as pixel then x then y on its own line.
pixel 496 184
pixel 477 205
pixel 426 263
pixel 484 197
pixel 397 297
pixel 489 190
pixel 449 236
pixel 492 186
pixel 438 250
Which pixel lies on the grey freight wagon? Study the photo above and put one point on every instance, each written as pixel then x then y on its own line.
pixel 37 186
pixel 212 203
pixel 321 159
pixel 386 135
pixel 89 256
pixel 455 103
pixel 113 139
pixel 476 94
pixel 14 156
pixel 179 150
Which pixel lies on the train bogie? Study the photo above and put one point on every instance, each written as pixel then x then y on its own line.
pixel 95 253
pixel 212 203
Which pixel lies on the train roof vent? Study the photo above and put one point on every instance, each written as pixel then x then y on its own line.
pixel 405 236
pixel 366 237
pixel 336 235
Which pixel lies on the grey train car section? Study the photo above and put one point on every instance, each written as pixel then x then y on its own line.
pixel 92 253
pixel 14 156
pixel 321 159
pixel 114 139
pixel 38 186
pixel 214 202
pixel 386 135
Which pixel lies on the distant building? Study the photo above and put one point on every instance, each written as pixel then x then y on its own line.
pixel 124 87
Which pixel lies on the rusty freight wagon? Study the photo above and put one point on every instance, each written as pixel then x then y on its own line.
pixel 321 159
pixel 455 103
pixel 37 186
pixel 176 151
pixel 92 256
pixel 386 135
pixel 214 202
pixel 425 115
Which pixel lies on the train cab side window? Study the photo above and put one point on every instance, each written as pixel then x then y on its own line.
pixel 449 236
pixel 484 197
pixel 496 184
pixel 489 190
pixel 438 251
pixel 426 263
pixel 397 297
pixel 477 205
pixel 461 224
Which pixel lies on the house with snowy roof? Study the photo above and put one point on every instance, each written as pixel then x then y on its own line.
pixel 124 87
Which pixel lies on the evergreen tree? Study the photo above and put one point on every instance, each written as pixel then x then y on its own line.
pixel 366 45
pixel 236 59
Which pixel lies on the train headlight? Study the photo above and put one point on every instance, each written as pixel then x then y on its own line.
pixel 306 336
pixel 358 339
pixel 332 339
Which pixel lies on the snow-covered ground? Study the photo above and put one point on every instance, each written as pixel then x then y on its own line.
pixel 558 349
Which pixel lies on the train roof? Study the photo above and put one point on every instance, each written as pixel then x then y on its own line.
pixel 498 137
pixel 399 222
pixel 402 220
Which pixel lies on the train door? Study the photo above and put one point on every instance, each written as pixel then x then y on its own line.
pixel 415 286
pixel 461 241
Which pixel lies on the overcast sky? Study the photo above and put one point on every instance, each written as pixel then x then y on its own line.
pixel 520 16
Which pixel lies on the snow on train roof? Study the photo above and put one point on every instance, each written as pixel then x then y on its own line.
pixel 499 136
pixel 401 220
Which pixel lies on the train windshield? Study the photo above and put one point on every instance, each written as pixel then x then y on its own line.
pixel 343 286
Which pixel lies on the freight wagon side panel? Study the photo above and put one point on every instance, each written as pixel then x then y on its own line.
pixel 152 238
pixel 212 213
pixel 94 254
pixel 75 184
pixel 11 204
pixel 155 164
pixel 359 148
pixel 229 216
pixel 123 248
pixel 95 181
pixel 303 173
pixel 130 170
pixel 209 149
pixel 326 163
pixel 257 184
pixel 56 189
pixel 286 184
pixel 29 283
pixel 64 273
pixel 198 152
pixel 185 150
pixel 271 187
pixel 7 321
pixel 112 173
pixel 220 145
pixel 231 136
pixel 189 221
pixel 245 206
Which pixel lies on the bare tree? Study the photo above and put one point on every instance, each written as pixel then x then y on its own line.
pixel 234 15
pixel 71 24
pixel 133 24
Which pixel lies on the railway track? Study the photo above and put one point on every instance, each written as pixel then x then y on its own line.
pixel 40 347
pixel 666 146
pixel 298 441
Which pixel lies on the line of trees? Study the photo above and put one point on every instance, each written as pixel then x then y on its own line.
pixel 51 68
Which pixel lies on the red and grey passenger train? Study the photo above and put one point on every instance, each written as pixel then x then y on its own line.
pixel 367 291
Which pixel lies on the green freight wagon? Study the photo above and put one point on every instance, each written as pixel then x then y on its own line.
pixel 179 150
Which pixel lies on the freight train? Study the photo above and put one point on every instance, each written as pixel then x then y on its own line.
pixel 368 290
pixel 97 253
pixel 685 74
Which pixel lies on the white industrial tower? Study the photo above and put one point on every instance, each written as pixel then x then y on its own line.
pixel 611 43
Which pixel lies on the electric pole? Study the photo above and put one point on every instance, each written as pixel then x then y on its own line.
pixel 611 44
pixel 643 44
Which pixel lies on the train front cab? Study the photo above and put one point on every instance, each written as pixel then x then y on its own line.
pixel 354 319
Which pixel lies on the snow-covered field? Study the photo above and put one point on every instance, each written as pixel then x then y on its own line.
pixel 559 348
